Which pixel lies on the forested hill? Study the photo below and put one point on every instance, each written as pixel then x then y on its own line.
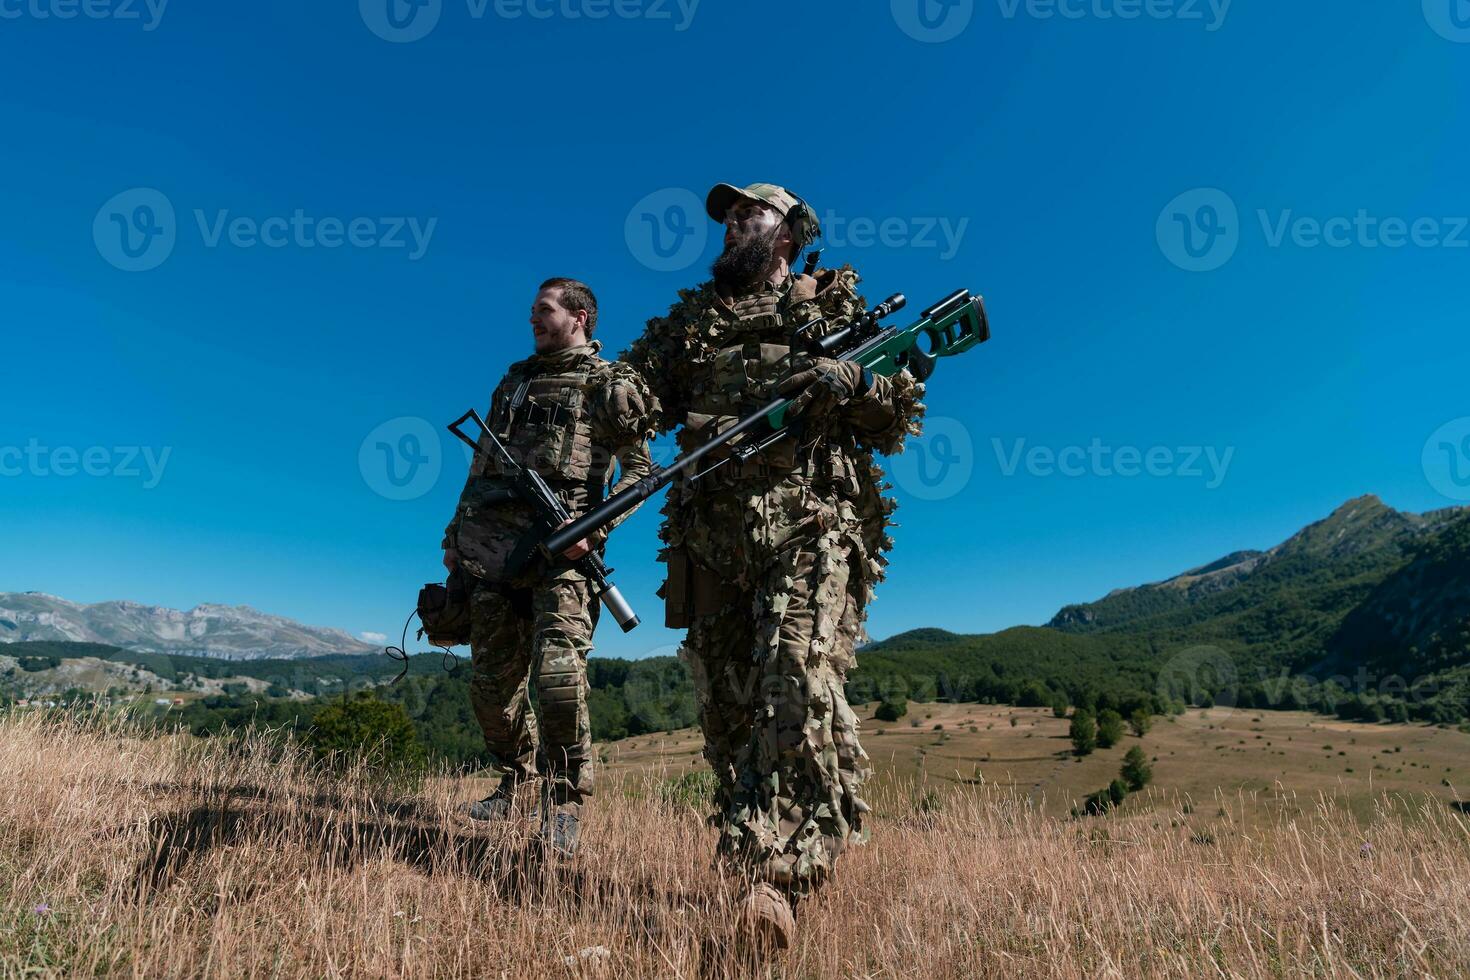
pixel 1365 614
pixel 1376 598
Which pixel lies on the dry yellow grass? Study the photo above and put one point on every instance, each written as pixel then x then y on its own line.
pixel 173 857
pixel 1195 755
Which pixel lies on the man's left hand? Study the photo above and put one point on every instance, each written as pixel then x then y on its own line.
pixel 822 383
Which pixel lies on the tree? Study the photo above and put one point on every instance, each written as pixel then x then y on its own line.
pixel 1117 792
pixel 1109 729
pixel 366 724
pixel 1033 695
pixel 1059 706
pixel 1140 721
pixel 891 709
pixel 1083 732
pixel 1136 771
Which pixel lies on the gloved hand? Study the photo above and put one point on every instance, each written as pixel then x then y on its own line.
pixel 822 383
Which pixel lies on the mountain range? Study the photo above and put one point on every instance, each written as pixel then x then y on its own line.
pixel 207 630
pixel 1368 607
pixel 1365 613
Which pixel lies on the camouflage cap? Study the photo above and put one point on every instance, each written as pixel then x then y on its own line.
pixel 797 213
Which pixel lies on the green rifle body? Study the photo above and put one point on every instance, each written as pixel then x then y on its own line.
pixel 952 326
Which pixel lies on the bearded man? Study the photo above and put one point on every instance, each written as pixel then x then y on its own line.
pixel 772 561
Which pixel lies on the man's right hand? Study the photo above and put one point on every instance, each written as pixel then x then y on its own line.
pixel 451 559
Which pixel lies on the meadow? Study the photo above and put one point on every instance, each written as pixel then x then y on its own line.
pixel 240 857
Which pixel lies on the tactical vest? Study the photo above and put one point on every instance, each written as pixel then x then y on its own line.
pixel 747 353
pixel 755 338
pixel 544 421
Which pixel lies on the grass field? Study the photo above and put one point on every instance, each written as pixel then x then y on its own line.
pixel 1268 758
pixel 176 857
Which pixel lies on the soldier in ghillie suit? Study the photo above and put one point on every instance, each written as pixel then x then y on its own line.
pixel 772 562
pixel 569 415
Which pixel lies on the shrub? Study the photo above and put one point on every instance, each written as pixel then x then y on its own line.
pixel 692 789
pixel 1140 722
pixel 366 724
pixel 1083 732
pixel 1136 771
pixel 891 710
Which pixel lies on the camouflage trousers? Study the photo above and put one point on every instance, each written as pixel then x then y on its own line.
pixel 769 671
pixel 542 632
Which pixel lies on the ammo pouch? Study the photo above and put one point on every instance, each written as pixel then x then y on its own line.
pixel 444 611
pixel 692 590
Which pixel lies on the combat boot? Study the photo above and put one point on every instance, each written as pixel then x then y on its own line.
pixel 498 806
pixel 767 922
pixel 561 827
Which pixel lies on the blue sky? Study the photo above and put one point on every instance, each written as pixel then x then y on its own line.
pixel 1224 250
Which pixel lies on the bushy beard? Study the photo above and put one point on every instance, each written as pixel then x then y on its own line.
pixel 743 263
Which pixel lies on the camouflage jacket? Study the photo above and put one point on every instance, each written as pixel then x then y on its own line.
pixel 712 359
pixel 572 417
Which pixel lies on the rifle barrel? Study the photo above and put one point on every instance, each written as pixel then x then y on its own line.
pixel 625 500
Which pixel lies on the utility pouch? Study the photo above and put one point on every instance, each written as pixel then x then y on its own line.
pixel 678 607
pixel 444 611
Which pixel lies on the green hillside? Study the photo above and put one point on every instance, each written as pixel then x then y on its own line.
pixel 1365 614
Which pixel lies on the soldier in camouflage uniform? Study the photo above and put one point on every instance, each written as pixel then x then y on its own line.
pixel 772 563
pixel 569 415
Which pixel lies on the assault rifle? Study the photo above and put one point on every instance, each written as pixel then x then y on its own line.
pixel 527 486
pixel 952 326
